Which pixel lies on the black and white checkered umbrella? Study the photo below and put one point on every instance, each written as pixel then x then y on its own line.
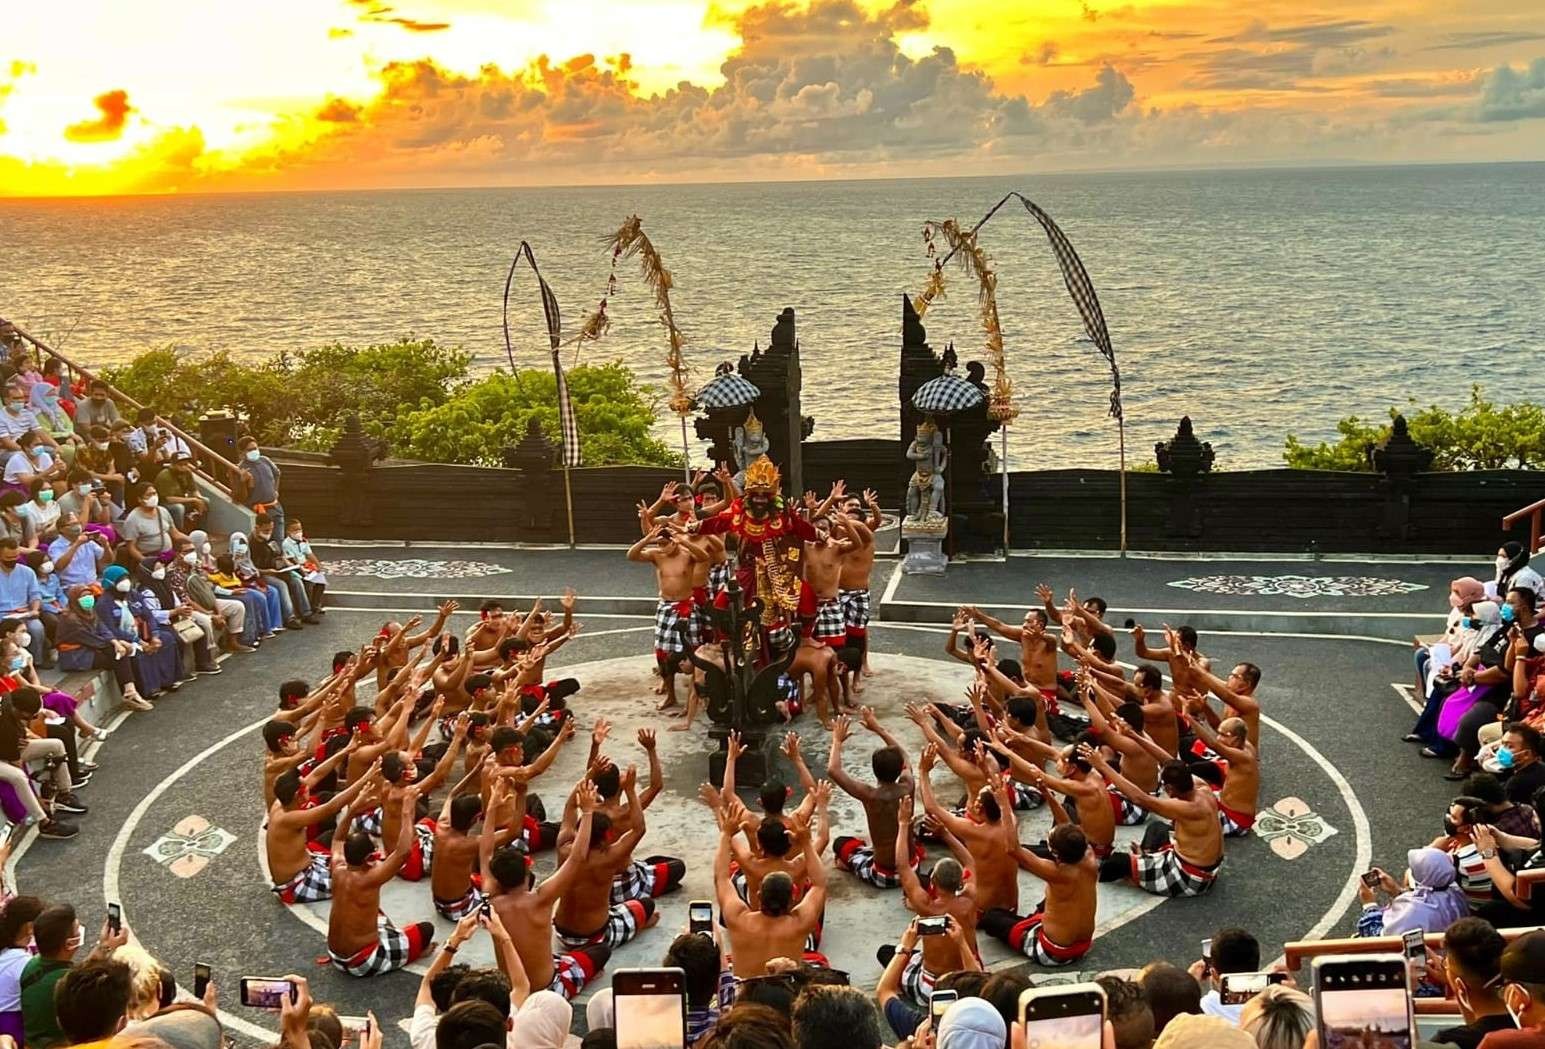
pixel 727 391
pixel 947 393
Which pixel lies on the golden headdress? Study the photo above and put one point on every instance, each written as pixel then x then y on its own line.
pixel 928 426
pixel 752 423
pixel 762 475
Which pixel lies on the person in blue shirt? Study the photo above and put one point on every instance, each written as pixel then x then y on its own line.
pixel 87 643
pixel 20 598
pixel 79 556
pixel 48 585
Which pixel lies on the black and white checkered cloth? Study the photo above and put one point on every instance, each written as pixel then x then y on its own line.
pixel 727 391
pixel 568 423
pixel 1164 873
pixel 1082 289
pixel 947 393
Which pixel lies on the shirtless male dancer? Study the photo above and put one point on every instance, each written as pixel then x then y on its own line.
pixel 1186 865
pixel 1061 930
pixel 823 574
pixel 1239 796
pixel 299 866
pixel 987 830
pixel 455 881
pixel 779 928
pixel 857 569
pixel 586 914
pixel 361 940
pixel 950 893
pixel 873 862
pixel 675 559
pixel 527 909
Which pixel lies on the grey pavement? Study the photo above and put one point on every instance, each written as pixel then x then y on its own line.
pixel 1333 695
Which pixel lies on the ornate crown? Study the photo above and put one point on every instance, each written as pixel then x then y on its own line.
pixel 928 426
pixel 762 475
pixel 752 423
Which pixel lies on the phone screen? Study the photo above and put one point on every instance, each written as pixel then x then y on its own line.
pixel 1239 988
pixel 1415 942
pixel 1363 1002
pixel 200 979
pixel 938 1002
pixel 1207 950
pixel 934 926
pixel 260 992
pixel 1371 879
pixel 650 1010
pixel 700 916
pixel 115 917
pixel 1071 1017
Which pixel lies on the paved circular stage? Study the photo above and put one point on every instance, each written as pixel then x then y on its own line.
pixel 176 811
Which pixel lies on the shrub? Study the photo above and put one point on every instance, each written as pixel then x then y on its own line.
pixel 1480 436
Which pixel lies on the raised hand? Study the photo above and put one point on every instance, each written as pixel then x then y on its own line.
pixel 587 796
pixel 567 601
pixel 733 747
pixel 840 729
pixel 822 793
pixel 867 717
pixel 646 739
pixel 1043 592
pixel 871 497
pixel 929 756
pixel 791 744
pixel 448 607
pixel 904 808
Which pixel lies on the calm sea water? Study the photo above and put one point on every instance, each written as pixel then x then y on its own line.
pixel 1260 303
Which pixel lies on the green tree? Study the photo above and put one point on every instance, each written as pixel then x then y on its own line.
pixel 615 415
pixel 1480 436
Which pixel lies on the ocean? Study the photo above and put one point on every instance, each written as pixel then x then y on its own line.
pixel 1258 302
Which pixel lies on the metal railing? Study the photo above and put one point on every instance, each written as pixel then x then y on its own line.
pixel 1532 512
pixel 209 462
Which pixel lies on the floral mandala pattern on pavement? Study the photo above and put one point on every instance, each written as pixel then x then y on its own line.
pixel 188 847
pixel 1299 586
pixel 1290 827
pixel 414 568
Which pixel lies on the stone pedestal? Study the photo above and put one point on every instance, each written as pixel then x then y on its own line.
pixel 925 546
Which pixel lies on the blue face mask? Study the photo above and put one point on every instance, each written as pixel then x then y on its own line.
pixel 1504 757
pixel 17 662
pixel 1507 613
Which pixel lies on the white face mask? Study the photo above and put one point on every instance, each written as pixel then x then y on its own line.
pixel 1502 563
pixel 100 446
pixel 191 557
pixel 253 455
pixel 158 572
pixel 207 547
pixel 152 501
pixel 47 567
pixel 83 490
pixel 122 586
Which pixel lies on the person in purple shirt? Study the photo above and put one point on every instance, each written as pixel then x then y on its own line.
pixel 20 597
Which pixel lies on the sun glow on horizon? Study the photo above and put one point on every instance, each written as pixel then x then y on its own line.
pixel 163 96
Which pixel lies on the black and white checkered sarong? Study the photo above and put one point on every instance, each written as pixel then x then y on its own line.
pixel 1164 873
pixel 828 620
pixel 392 950
pixel 855 608
pixel 312 884
pixel 674 626
pixel 623 922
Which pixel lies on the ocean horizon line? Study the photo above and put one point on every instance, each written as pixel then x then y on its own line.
pixel 1342 165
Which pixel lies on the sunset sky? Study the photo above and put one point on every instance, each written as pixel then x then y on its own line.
pixel 155 96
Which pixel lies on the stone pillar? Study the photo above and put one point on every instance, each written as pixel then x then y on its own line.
pixel 776 373
pixel 1185 459
pixel 918 365
pixel 354 455
pixel 1399 459
pixel 538 512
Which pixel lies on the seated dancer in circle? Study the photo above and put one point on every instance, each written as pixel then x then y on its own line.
pixel 876 864
pixel 361 939
pixel 987 831
pixel 586 913
pixel 1186 865
pixel 526 908
pixel 950 893
pixel 300 865
pixel 1061 929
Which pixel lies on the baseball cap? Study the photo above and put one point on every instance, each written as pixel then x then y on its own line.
pixel 1195 1031
pixel 971 1023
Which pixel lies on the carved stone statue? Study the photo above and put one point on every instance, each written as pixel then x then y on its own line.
pixel 925 491
pixel 750 443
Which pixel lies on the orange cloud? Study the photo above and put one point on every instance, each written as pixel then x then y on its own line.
pixel 414 26
pixel 338 111
pixel 115 109
pixel 375 11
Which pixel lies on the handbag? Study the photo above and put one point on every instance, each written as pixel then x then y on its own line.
pixel 187 630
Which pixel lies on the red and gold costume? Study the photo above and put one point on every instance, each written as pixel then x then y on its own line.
pixel 771 546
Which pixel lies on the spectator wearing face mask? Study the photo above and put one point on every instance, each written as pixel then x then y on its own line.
pixel 193 588
pixel 16 419
pixel 257 482
pixel 103 990
pixel 1523 994
pixel 43 510
pixel 21 598
pixel 54 422
pixel 180 492
pixel 90 504
pixel 14 521
pixel 35 460
pixel 86 643
pixel 1513 570
pixel 107 462
pixel 157 660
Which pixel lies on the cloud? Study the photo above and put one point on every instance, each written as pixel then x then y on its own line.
pixel 382 14
pixel 1283 58
pixel 1044 55
pixel 1436 86
pixel 1513 94
pixel 1484 38
pixel 1111 94
pixel 114 109
pixel 338 111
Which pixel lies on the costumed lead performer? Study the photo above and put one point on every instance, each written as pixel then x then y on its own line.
pixel 771 538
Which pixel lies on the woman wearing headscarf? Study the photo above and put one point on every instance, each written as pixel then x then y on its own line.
pixel 156 592
pixel 1513 570
pixel 86 643
pixel 1477 619
pixel 53 420
pixel 1431 900
pixel 280 610
pixel 156 663
pixel 542 1022
pixel 229 587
